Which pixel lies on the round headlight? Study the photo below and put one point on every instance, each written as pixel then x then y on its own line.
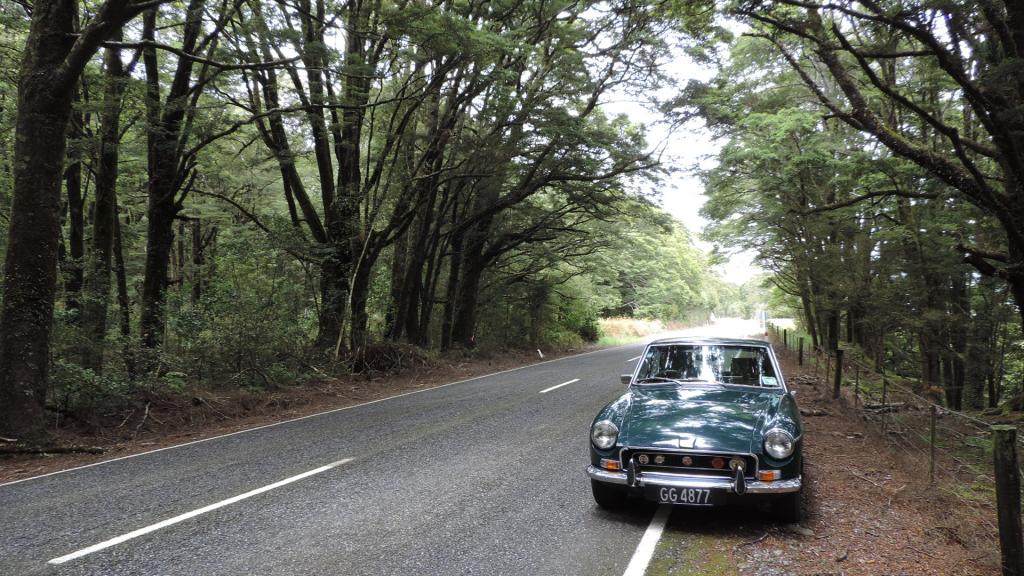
pixel 604 434
pixel 778 444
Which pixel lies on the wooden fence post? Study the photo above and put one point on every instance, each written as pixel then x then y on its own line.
pixel 785 338
pixel 1004 446
pixel 801 353
pixel 839 373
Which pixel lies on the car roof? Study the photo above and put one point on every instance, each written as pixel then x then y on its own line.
pixel 710 340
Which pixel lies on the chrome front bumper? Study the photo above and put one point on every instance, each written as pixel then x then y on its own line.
pixel 683 481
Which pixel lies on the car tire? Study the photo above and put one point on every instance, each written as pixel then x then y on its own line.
pixel 608 497
pixel 788 508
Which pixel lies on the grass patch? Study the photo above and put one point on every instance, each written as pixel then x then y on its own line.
pixel 687 554
pixel 620 331
pixel 618 340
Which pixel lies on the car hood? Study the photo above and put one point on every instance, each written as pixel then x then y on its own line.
pixel 722 419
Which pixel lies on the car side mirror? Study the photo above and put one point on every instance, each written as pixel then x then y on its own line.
pixel 625 379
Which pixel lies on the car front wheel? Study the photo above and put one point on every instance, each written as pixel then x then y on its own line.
pixel 788 509
pixel 607 497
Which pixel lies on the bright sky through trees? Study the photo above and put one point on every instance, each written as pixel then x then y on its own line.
pixel 687 149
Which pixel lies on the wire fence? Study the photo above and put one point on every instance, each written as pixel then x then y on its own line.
pixel 949 454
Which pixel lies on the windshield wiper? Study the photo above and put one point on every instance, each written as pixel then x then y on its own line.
pixel 662 379
pixel 654 379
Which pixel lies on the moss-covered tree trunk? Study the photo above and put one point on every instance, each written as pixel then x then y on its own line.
pixel 52 61
pixel 30 271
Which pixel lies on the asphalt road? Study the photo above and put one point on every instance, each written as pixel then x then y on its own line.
pixel 479 477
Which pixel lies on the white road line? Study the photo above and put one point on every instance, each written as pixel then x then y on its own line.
pixel 546 390
pixel 324 413
pixel 645 549
pixel 192 514
pixel 632 359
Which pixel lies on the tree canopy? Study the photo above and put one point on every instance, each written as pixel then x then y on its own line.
pixel 248 192
pixel 869 154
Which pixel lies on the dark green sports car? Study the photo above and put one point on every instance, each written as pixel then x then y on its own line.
pixel 704 422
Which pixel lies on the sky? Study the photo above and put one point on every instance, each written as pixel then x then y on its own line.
pixel 688 147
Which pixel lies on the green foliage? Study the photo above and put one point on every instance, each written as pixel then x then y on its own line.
pixel 476 127
pixel 643 265
pixel 253 324
pixel 84 394
pixel 862 244
pixel 659 273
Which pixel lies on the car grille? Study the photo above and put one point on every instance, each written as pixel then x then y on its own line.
pixel 700 464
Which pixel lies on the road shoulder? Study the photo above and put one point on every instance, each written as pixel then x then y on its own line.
pixel 212 415
pixel 862 519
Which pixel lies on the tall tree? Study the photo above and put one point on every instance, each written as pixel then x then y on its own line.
pixel 52 62
pixel 96 285
pixel 974 50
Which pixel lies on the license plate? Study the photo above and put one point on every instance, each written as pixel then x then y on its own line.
pixel 684 496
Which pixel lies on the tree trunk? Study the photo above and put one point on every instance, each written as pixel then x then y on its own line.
pixel 161 212
pixel 97 277
pixel 539 296
pixel 977 369
pixel 30 271
pixel 74 263
pixel 930 375
pixel 809 316
pixel 451 292
pixel 464 324
pixel 467 294
pixel 197 262
pixel 333 298
pixel 128 350
pixel 409 310
pixel 392 326
pixel 428 294
pixel 165 173
pixel 359 335
pixel 959 326
pixel 833 329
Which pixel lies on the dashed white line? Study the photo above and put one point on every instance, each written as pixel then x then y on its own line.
pixel 192 514
pixel 632 359
pixel 645 549
pixel 546 390
pixel 314 415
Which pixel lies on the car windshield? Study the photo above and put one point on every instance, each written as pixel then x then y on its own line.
pixel 709 363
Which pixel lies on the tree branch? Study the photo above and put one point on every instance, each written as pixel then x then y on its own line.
pixel 224 66
pixel 868 196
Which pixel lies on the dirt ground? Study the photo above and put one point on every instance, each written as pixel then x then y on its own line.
pixel 866 514
pixel 174 420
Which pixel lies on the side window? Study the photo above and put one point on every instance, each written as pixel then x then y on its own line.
pixel 768 377
pixel 652 363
